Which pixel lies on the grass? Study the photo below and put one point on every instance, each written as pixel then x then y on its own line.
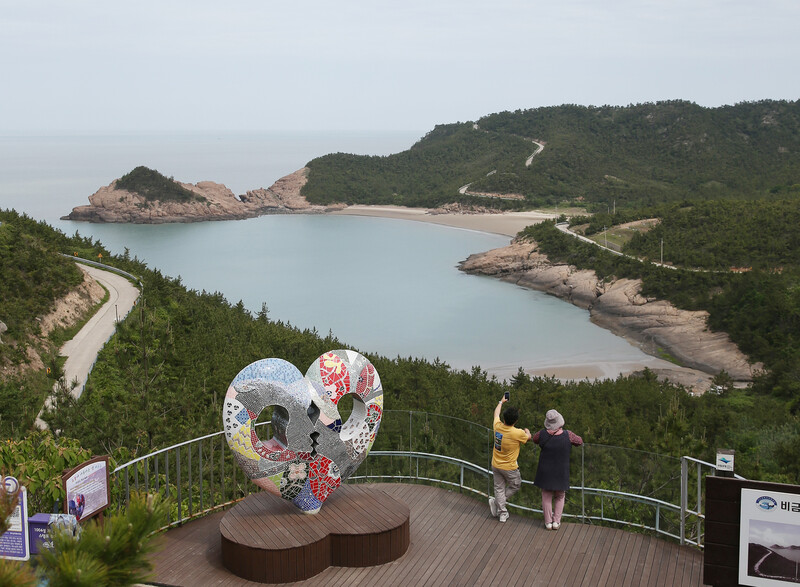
pixel 663 354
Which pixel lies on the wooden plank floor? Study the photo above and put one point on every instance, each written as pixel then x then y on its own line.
pixel 455 541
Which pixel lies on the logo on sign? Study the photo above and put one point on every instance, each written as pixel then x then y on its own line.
pixel 766 503
pixel 11 484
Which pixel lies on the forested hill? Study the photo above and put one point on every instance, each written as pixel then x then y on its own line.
pixel 639 155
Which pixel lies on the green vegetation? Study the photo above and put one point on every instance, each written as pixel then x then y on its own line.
pixel 638 155
pixel 153 186
pixel 759 309
pixel 162 377
pixel 428 174
pixel 111 553
pixel 32 279
pixel 647 154
pixel 38 461
pixel 718 235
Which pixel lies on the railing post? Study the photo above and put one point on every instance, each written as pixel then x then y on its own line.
pixel 410 450
pixel 200 472
pixel 166 482
pixel 127 487
pixel 699 502
pixel 658 518
pixel 222 471
pixel 583 485
pixel 189 467
pixel 684 497
pixel 178 474
pixel 490 476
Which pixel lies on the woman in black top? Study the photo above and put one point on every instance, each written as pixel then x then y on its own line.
pixel 552 472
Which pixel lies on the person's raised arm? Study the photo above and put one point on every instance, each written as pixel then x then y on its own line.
pixel 499 407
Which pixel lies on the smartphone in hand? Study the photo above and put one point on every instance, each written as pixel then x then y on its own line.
pixel 507 395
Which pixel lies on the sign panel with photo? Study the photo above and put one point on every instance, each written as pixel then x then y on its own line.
pixel 769 540
pixel 87 488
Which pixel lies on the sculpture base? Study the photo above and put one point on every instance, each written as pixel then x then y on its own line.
pixel 266 539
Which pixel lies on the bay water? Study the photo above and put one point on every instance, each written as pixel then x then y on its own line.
pixel 380 285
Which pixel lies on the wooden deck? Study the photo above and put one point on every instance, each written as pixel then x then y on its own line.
pixel 455 541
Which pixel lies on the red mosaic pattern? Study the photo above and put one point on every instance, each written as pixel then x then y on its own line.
pixel 335 376
pixel 274 451
pixel 365 380
pixel 323 477
pixel 374 415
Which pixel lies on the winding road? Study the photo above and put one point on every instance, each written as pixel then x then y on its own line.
pixel 463 189
pixel 82 350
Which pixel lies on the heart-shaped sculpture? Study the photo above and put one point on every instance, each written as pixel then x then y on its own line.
pixel 311 451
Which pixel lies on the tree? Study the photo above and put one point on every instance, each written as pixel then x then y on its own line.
pixel 722 382
pixel 111 553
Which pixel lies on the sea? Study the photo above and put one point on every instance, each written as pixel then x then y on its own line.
pixel 384 286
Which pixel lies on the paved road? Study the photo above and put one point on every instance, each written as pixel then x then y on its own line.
pixel 81 351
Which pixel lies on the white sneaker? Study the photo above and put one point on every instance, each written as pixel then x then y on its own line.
pixel 556 525
pixel 549 526
pixel 493 506
pixel 504 516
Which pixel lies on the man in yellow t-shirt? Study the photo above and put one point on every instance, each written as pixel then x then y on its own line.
pixel 505 470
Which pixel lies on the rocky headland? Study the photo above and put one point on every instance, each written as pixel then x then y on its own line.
pixel 617 305
pixel 214 201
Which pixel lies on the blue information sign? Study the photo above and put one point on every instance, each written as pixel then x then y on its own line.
pixel 14 544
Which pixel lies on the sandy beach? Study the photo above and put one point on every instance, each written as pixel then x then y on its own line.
pixel 509 224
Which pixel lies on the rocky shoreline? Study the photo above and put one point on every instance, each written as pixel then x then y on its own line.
pixel 617 305
pixel 215 202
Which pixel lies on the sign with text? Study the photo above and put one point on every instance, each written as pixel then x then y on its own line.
pixel 88 488
pixel 769 539
pixel 725 460
pixel 14 544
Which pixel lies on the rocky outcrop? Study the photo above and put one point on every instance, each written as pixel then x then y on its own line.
pixel 619 306
pixel 214 202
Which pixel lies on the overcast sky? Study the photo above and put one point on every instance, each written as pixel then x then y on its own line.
pixel 261 65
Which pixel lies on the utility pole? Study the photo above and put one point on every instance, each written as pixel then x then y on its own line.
pixel 605 233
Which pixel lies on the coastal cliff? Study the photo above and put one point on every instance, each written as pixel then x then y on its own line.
pixel 618 306
pixel 211 201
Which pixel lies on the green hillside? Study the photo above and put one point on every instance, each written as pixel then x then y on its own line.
pixel 635 155
pixel 32 277
pixel 429 173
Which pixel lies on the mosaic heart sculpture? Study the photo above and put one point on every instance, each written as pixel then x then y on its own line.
pixel 311 451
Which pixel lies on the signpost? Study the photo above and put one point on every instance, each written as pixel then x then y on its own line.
pixel 88 488
pixel 15 544
pixel 725 462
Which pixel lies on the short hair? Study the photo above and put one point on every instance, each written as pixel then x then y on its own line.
pixel 510 416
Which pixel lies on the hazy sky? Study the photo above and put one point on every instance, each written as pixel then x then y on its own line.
pixel 103 65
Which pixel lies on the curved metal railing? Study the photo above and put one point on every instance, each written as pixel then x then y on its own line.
pixel 611 485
